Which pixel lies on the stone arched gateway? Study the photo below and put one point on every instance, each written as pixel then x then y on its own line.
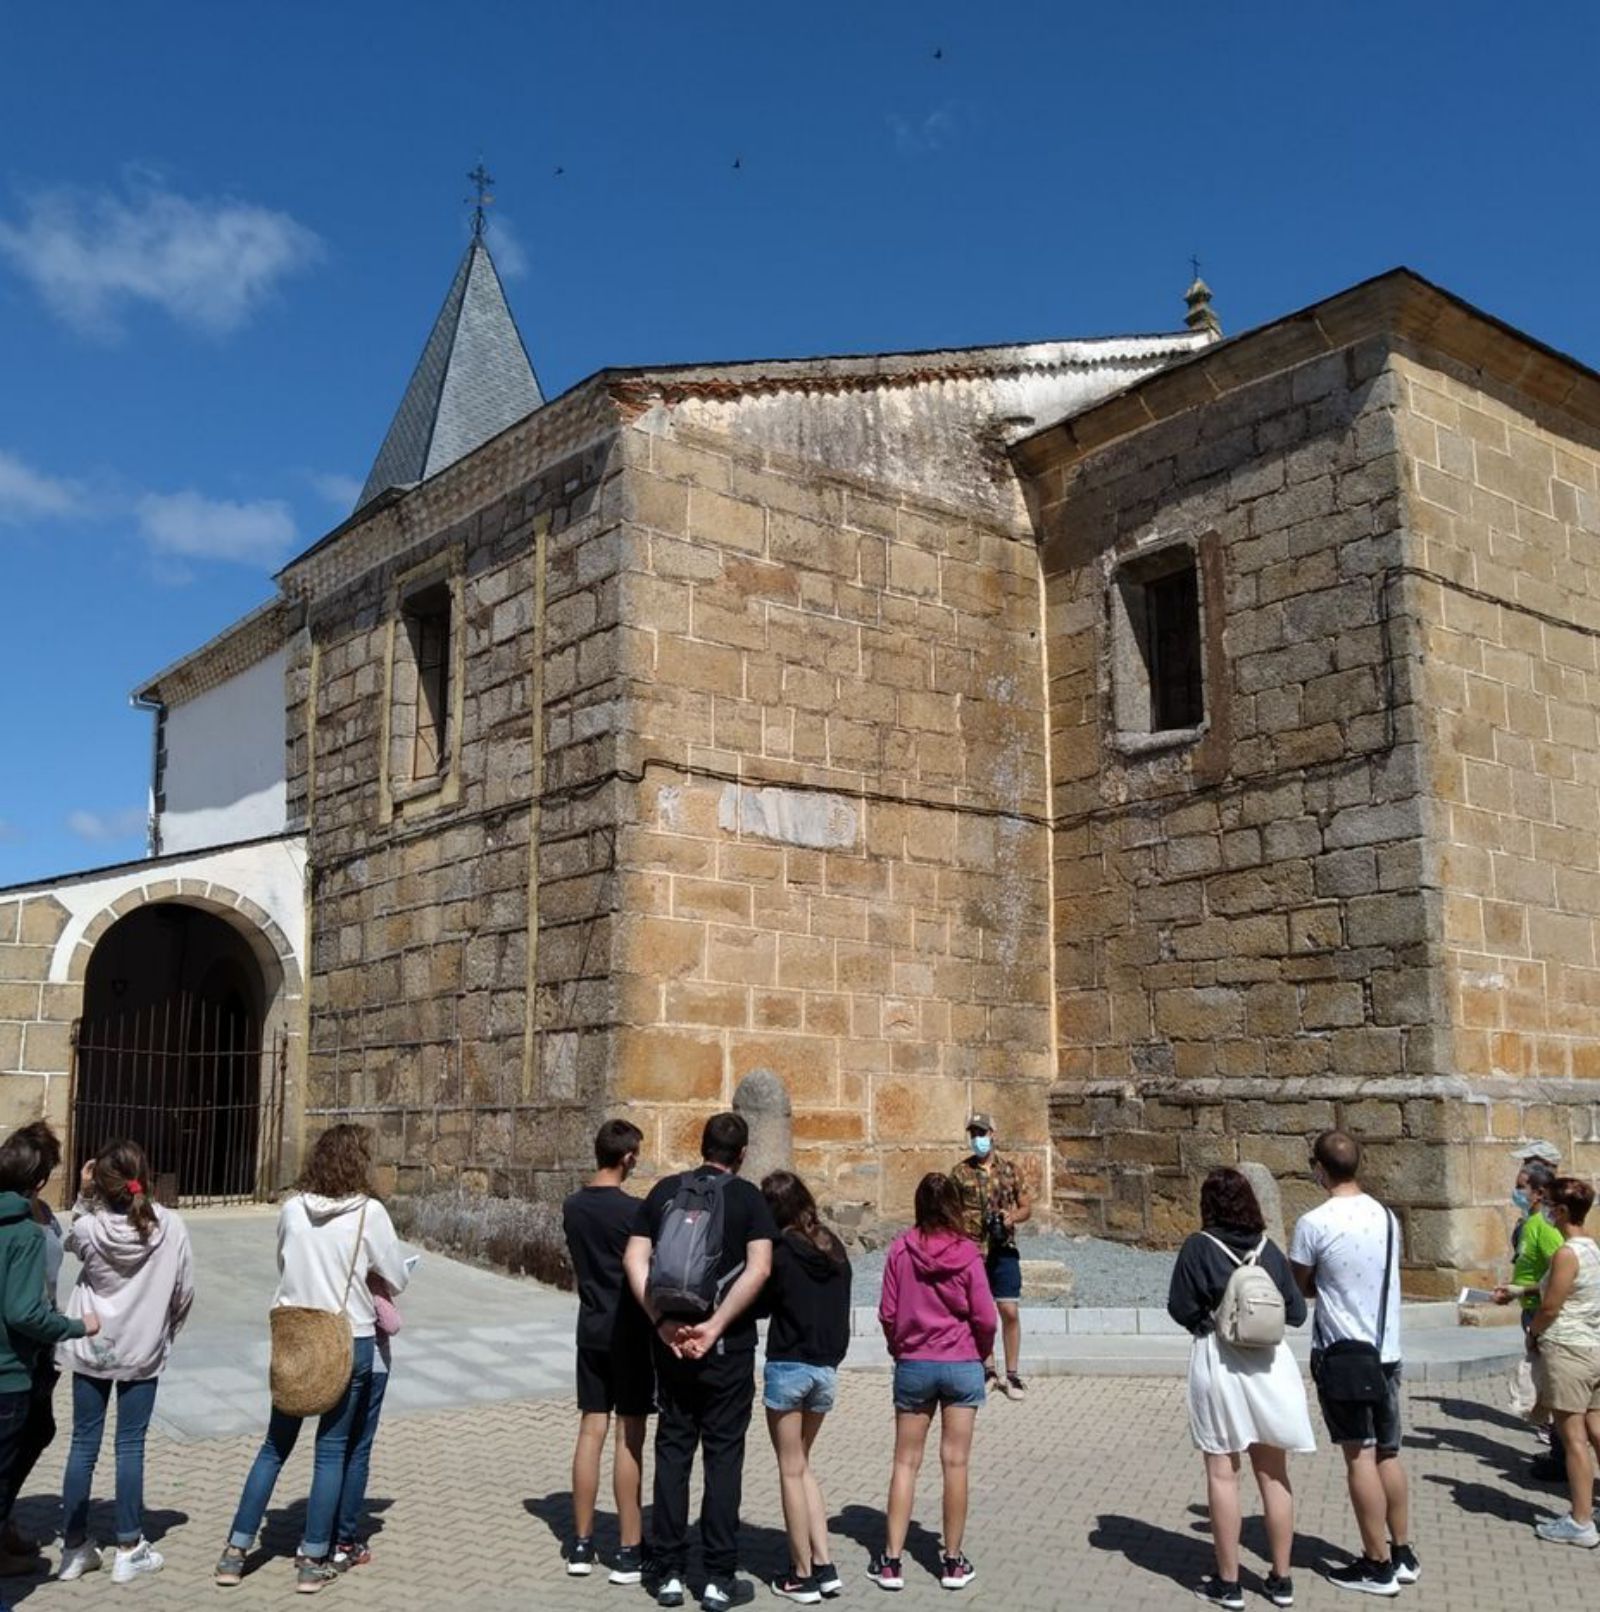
pixel 188 1004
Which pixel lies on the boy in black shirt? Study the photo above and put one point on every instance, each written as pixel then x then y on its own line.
pixel 705 1373
pixel 614 1366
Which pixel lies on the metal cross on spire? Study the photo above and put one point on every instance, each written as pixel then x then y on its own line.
pixel 1194 263
pixel 481 179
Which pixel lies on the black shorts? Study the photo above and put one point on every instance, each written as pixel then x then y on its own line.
pixel 617 1379
pixel 1350 1422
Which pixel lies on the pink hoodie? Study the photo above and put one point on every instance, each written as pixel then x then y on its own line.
pixel 936 1302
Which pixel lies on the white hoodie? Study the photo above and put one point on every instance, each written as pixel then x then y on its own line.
pixel 141 1292
pixel 316 1237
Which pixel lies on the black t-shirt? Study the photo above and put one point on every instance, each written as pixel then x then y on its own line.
pixel 598 1222
pixel 745 1219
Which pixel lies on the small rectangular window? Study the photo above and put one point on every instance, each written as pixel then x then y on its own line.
pixel 427 625
pixel 1158 660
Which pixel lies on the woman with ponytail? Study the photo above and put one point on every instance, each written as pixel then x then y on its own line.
pixel 138 1277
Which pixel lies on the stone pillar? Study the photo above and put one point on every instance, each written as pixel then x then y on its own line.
pixel 1265 1185
pixel 763 1101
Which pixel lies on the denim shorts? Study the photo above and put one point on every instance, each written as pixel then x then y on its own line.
pixel 922 1384
pixel 1004 1270
pixel 792 1385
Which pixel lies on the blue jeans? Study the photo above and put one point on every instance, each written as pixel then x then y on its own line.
pixel 341 1434
pixel 353 1496
pixel 91 1397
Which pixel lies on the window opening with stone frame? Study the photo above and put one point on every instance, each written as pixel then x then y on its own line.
pixel 426 618
pixel 1158 655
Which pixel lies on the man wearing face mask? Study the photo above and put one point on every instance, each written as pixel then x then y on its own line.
pixel 1533 1245
pixel 994 1202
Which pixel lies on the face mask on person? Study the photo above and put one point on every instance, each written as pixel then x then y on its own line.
pixel 1519 1196
pixel 982 1146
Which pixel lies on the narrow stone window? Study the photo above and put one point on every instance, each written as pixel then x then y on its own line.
pixel 1158 659
pixel 426 619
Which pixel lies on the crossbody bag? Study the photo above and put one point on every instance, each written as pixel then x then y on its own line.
pixel 313 1351
pixel 1351 1369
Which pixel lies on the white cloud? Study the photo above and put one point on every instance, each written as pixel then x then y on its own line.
pixel 27 494
pixel 190 526
pixel 208 262
pixel 341 491
pixel 124 824
pixel 510 256
pixel 914 136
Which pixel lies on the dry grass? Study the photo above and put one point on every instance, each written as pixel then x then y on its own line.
pixel 510 1234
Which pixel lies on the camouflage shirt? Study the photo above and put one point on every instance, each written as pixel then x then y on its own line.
pixel 985 1190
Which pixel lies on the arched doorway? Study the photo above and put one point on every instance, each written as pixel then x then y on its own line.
pixel 171 1051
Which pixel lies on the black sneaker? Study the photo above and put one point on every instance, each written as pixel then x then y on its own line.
pixel 1218 1592
pixel 669 1590
pixel 1407 1569
pixel 793 1587
pixel 720 1593
pixel 886 1573
pixel 1280 1591
pixel 629 1566
pixel 1366 1576
pixel 828 1580
pixel 580 1557
pixel 956 1572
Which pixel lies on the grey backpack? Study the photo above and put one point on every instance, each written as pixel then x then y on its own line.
pixel 1251 1314
pixel 683 1265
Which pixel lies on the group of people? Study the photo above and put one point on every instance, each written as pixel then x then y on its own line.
pixel 1235 1290
pixel 337 1252
pixel 671 1288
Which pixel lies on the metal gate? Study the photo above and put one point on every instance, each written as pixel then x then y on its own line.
pixel 194 1085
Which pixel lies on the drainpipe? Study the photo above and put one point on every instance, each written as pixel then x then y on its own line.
pixel 145 701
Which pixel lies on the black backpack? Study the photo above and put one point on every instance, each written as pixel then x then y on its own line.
pixel 683 1264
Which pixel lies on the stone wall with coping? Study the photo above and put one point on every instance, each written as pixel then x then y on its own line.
pixel 35 1014
pixel 460 996
pixel 1246 945
pixel 835 865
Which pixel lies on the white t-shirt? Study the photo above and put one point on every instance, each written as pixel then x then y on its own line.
pixel 1343 1241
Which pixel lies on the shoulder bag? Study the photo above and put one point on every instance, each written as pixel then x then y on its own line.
pixel 313 1350
pixel 1352 1370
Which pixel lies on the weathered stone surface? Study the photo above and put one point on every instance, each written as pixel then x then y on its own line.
pixel 763 1100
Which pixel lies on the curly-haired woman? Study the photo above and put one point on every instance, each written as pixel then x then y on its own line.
pixel 1241 1400
pixel 332 1232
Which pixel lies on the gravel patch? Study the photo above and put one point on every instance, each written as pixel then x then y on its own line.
pixel 1104 1273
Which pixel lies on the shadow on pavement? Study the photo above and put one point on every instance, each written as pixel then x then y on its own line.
pixel 1163 1551
pixel 1470 1410
pixel 863 1525
pixel 1309 1554
pixel 1483 1501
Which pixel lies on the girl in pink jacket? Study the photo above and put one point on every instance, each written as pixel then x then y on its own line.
pixel 938 1316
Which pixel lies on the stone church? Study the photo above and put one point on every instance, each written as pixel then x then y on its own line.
pixel 1172 745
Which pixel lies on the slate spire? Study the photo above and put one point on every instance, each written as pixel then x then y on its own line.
pixel 473 380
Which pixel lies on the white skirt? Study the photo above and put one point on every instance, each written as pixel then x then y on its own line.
pixel 1240 1397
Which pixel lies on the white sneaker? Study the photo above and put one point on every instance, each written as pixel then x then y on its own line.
pixel 77 1561
pixel 1564 1531
pixel 130 1563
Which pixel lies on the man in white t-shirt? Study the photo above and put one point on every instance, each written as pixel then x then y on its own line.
pixel 1346 1256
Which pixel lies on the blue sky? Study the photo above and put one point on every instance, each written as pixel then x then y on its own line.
pixel 224 231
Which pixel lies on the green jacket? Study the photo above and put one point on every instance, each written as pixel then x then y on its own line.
pixel 29 1323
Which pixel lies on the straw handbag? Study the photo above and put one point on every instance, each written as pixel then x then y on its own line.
pixel 312 1350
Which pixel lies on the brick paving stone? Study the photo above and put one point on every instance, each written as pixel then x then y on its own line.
pixel 1085 1496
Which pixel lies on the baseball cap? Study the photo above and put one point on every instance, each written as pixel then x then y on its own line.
pixel 1545 1152
pixel 980 1122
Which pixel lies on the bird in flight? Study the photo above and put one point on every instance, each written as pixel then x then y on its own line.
pixel 558 173
pixel 938 53
pixel 738 162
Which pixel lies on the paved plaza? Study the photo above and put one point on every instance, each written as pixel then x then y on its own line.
pixel 1087 1495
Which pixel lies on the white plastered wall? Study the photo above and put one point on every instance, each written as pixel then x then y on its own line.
pixel 224 778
